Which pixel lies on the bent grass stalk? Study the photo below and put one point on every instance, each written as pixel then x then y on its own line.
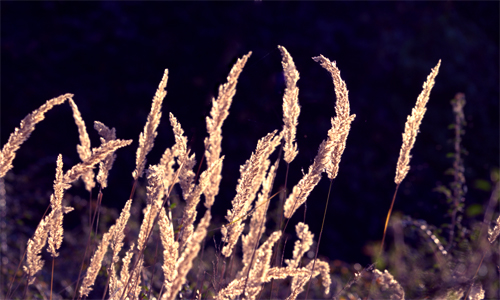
pixel 337 136
pixel 291 111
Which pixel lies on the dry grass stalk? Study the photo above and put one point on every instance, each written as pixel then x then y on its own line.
pixel 257 222
pixel 252 175
pixel 95 265
pixel 301 246
pixel 192 201
pixel 124 272
pixel 185 261
pixel 341 124
pixel 167 161
pixel 104 131
pixel 257 274
pixel 147 137
pixel 218 113
pixel 155 194
pixel 113 237
pixel 106 165
pixel 303 188
pixel 291 107
pixel 180 151
pixel 330 150
pixel 314 268
pixel 337 136
pixel 35 245
pixel 84 149
pixel 98 154
pixel 22 133
pixel 116 244
pixel 170 252
pixel 282 273
pixel 50 227
pixel 56 232
pixel 116 284
pixel 56 229
pixel 154 203
pixel 180 147
pixel 133 289
pixel 412 126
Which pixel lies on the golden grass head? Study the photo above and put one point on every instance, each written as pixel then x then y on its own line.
pixel 23 132
pixel 412 126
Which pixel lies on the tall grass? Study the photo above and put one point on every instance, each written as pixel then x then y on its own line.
pixel 160 246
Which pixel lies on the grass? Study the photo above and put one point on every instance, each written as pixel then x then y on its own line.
pixel 164 243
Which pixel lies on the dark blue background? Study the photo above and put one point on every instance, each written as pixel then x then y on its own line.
pixel 111 55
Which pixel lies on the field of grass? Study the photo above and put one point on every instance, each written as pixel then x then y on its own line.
pixel 165 243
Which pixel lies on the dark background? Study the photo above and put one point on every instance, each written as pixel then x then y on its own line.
pixel 111 55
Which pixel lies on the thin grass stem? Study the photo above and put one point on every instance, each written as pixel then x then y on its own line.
pixel 387 221
pixel 52 278
pixel 278 244
pixel 319 239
